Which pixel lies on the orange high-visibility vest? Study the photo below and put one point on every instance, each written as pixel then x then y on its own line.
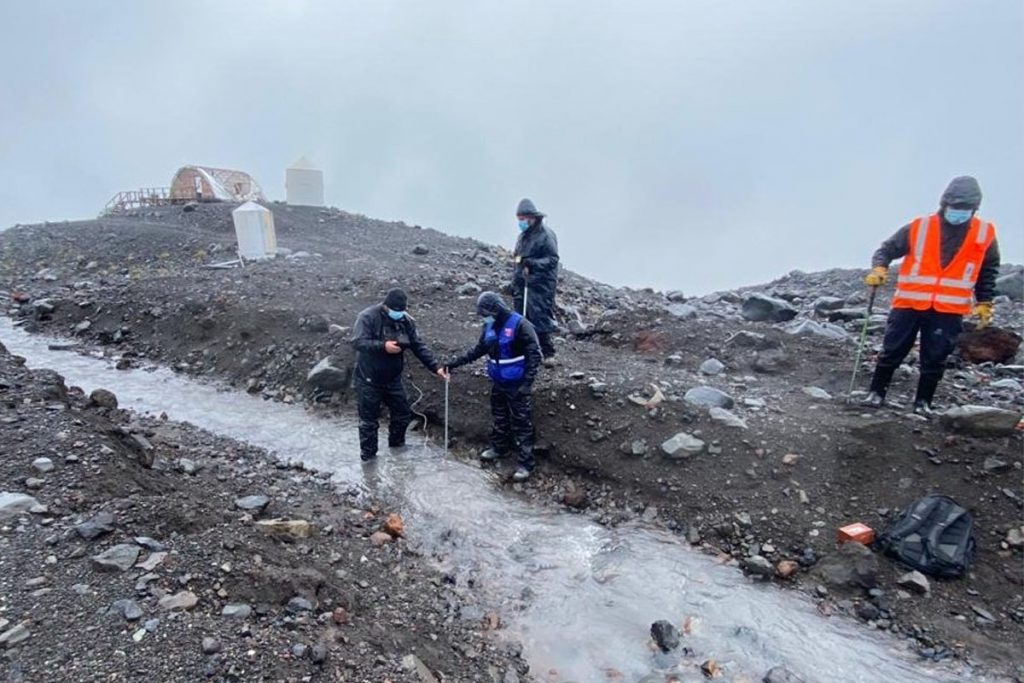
pixel 924 284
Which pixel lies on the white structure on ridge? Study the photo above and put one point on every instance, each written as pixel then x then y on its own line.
pixel 304 184
pixel 254 229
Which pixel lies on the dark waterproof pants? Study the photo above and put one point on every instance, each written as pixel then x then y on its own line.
pixel 371 398
pixel 939 333
pixel 512 429
pixel 547 347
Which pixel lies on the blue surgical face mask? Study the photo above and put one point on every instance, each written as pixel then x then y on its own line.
pixel 488 320
pixel 396 315
pixel 957 216
pixel 524 225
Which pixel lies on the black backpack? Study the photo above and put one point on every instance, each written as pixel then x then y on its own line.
pixel 934 535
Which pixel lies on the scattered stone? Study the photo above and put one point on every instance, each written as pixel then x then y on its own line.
pixel 327 377
pixel 817 393
pixel 984 613
pixel 254 503
pixel 119 558
pixel 183 600
pixel 318 653
pixel 296 528
pixel 102 398
pixel 128 609
pixel 637 447
pixel 682 311
pixel 34 483
pixel 420 250
pixel 413 664
pixel 379 538
pixel 152 562
pixel 790 459
pixel 852 565
pixel 761 308
pixel 299 604
pixel 681 446
pixel 665 635
pixel 1009 384
pixel 981 420
pixel 12 504
pixel 867 611
pixel 575 497
pixel 712 366
pixel 710 669
pixel 42 465
pixel 187 466
pixel 394 526
pixel 787 569
pixel 810 328
pixel 994 465
pixel 14 635
pixel 236 611
pixel 210 646
pixel 468 289
pixel 758 566
pixel 724 417
pixel 102 523
pixel 1015 537
pixel 915 582
pixel 708 396
pixel 83 327
pixel 339 616
pixel 675 296
pixel 771 361
pixel 150 544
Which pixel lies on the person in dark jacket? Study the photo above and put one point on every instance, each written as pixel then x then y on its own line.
pixel 939 275
pixel 536 272
pixel 513 350
pixel 381 335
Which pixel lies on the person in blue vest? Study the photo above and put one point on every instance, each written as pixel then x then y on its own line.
pixel 510 342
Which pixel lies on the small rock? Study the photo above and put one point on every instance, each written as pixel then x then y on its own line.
pixel 710 669
pixel 994 465
pixel 420 250
pixel 299 604
pixel 1015 537
pixel 236 611
pixel 42 465
pixel 724 417
pixel 102 398
pixel 296 528
pixel 318 653
pixel 129 609
pixel 707 396
pixel 790 459
pixel 712 366
pixel 119 558
pixel 379 538
pixel 183 600
pixel 14 635
pixel 817 393
pixel 758 566
pixel 255 503
pixel 866 611
pixel 413 664
pixel 90 530
pixel 468 289
pixel 210 646
pixel 983 613
pixel 394 525
pixel 665 635
pixel 12 504
pixel 787 569
pixel 187 466
pixel 915 582
pixel 34 483
pixel 780 674
pixel 681 446
pixel 852 565
pixel 761 308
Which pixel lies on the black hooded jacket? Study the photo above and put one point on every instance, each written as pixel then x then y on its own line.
pixel 963 191
pixel 537 249
pixel 525 344
pixel 373 327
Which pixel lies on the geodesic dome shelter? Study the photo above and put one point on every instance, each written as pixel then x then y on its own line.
pixel 205 184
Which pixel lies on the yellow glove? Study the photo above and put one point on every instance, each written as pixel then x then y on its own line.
pixel 984 310
pixel 877 276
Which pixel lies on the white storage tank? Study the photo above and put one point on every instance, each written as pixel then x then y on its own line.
pixel 304 184
pixel 254 229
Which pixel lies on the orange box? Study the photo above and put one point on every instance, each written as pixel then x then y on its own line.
pixel 861 533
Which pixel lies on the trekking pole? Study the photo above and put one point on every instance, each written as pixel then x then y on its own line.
pixel 526 295
pixel 860 345
pixel 447 384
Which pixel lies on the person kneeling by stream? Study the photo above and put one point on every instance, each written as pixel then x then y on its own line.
pixel 510 342
pixel 381 335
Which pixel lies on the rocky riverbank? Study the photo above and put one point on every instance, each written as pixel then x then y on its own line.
pixel 142 549
pixel 719 417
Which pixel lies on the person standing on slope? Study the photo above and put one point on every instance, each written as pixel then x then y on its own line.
pixel 535 276
pixel 514 356
pixel 380 337
pixel 948 258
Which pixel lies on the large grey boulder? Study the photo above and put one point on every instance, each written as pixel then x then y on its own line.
pixel 328 377
pixel 762 308
pixel 981 420
pixel 851 566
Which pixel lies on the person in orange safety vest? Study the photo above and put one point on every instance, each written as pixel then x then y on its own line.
pixel 950 265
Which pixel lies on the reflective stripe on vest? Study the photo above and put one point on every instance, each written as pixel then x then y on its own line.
pixel 924 284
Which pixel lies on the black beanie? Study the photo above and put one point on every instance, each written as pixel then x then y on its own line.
pixel 396 300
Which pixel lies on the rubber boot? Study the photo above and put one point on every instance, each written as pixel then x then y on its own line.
pixel 879 386
pixel 491 455
pixel 926 387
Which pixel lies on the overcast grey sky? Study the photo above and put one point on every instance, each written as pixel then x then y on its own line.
pixel 697 144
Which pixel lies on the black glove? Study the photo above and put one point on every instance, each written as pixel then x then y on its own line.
pixel 526 263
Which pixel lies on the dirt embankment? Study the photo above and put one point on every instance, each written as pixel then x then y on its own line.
pixel 141 549
pixel 775 485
